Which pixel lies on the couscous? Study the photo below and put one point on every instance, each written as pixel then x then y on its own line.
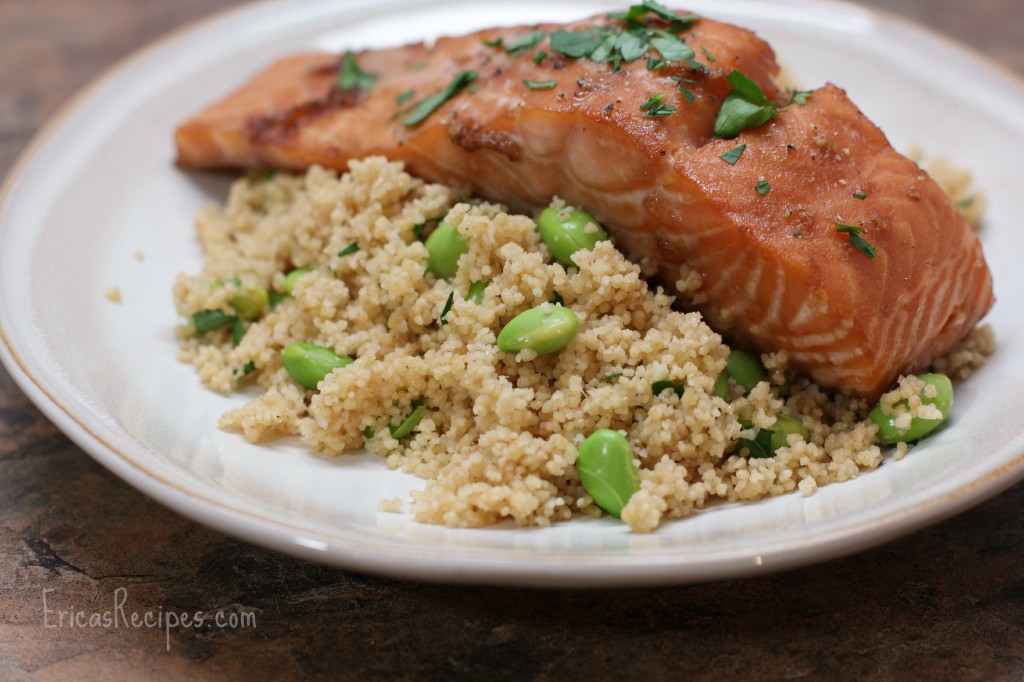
pixel 336 270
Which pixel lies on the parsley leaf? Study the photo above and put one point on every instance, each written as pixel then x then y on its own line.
pixel 672 49
pixel 429 105
pixel 497 42
pixel 351 77
pixel 760 446
pixel 707 54
pixel 858 242
pixel 658 386
pixel 742 84
pixel 208 320
pixel 746 107
pixel 860 195
pixel 404 97
pixel 351 248
pixel 237 331
pixel 540 85
pixel 733 155
pixel 738 114
pixel 611 376
pixel 576 44
pixel 763 187
pixel 539 56
pixel 655 106
pixel 800 96
pixel 525 42
pixel 447 308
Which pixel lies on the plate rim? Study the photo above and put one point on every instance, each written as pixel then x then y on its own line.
pixel 471 565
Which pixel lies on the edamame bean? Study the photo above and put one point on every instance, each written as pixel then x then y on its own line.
pixel 308 363
pixel 919 427
pixel 545 329
pixel 745 369
pixel 406 426
pixel 564 231
pixel 476 292
pixel 785 425
pixel 721 389
pixel 250 302
pixel 606 469
pixel 444 246
pixel 293 277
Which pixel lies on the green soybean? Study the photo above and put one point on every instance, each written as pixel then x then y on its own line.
pixel 545 329
pixel 250 302
pixel 444 246
pixel 293 277
pixel 406 426
pixel 308 363
pixel 606 469
pixel 785 425
pixel 745 369
pixel 721 389
pixel 476 292
pixel 919 427
pixel 564 231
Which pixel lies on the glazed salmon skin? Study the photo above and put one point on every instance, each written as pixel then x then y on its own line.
pixel 810 233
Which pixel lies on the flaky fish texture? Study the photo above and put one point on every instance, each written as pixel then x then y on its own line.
pixel 777 274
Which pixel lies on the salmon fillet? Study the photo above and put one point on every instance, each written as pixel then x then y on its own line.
pixel 761 231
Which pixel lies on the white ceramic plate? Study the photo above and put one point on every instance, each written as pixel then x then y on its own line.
pixel 99 184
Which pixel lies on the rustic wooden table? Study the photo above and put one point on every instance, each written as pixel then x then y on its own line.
pixel 945 603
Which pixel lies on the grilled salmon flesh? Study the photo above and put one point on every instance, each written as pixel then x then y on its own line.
pixel 811 234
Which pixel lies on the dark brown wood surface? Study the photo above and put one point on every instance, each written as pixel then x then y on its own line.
pixel 944 603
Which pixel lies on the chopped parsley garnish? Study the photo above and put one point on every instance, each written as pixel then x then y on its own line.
pixel 636 13
pixel 687 93
pixel 671 48
pixel 733 155
pixel 611 376
pixel 405 427
pixel 576 44
pixel 237 331
pixel 497 42
pixel 525 42
pixel 429 105
pixel 967 201
pixel 540 85
pixel 763 187
pixel 420 227
pixel 447 308
pixel 858 242
pixel 208 320
pixel 800 96
pixel 658 386
pixel 275 298
pixel 760 446
pixel 608 45
pixel 746 107
pixel 404 97
pixel 557 299
pixel 369 433
pixel 248 368
pixel 350 249
pixel 655 106
pixel 351 77
pixel 860 195
pixel 707 54
pixel 269 175
pixel 539 56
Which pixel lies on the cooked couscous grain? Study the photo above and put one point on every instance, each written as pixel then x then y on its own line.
pixel 498 436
